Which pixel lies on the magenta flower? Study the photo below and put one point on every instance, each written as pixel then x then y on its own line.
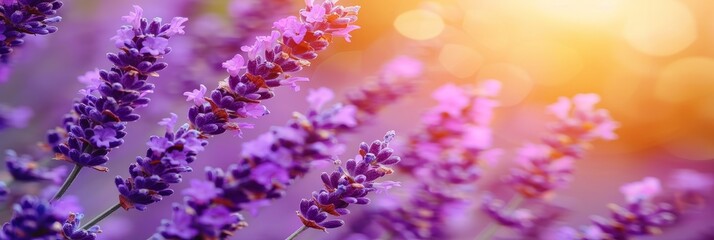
pixel 234 65
pixel 318 97
pixel 643 190
pixel 197 95
pixel 292 28
pixel 403 67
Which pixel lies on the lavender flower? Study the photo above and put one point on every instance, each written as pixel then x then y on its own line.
pixel 4 191
pixel 548 166
pixel 21 17
pixel 642 215
pixel 272 161
pixel 71 229
pixel 14 117
pixel 456 136
pixel 165 160
pixel 32 219
pixel 424 216
pixel 24 168
pixel 349 185
pixel 96 126
pixel 269 61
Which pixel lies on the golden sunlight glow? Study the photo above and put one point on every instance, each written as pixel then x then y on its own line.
pixel 419 24
pixel 460 61
pixel 686 79
pixel 659 27
pixel 516 82
pixel 548 63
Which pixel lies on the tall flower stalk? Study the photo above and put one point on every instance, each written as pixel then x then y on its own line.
pixel 272 161
pixel 549 165
pixel 18 18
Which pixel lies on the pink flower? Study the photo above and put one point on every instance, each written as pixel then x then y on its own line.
pixel 262 43
pixel 124 36
pixel 318 98
pixel 255 110
pixel 176 26
pixel 234 65
pixel 477 137
pixel 643 190
pixel 291 27
pixel 134 18
pixel 197 95
pixel 404 67
pixel 585 102
pixel 561 108
pixel 345 32
pixel 315 14
pixel 292 81
pixel 687 180
pixel 452 99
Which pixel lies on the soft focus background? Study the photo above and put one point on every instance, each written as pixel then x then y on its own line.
pixel 651 61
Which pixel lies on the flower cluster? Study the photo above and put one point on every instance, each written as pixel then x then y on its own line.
pixel 24 168
pixel 35 218
pixel 165 160
pixel 97 123
pixel 22 17
pixel 643 215
pixel 14 117
pixel 349 185
pixel 288 49
pixel 239 98
pixel 424 216
pixel 447 152
pixel 273 160
pixel 549 165
pixel 456 137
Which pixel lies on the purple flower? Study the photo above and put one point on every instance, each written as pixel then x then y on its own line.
pixel 176 26
pixel 14 117
pixel 32 219
pixel 690 181
pixel 134 18
pixel 404 67
pixel 20 18
pixel 125 35
pixel 201 191
pixel 644 190
pixel 71 229
pixel 4 191
pixel 197 95
pixel 234 65
pixel 155 45
pixel 349 185
pixel 292 28
pixel 167 158
pixel 102 118
pixel 318 98
pixel 24 168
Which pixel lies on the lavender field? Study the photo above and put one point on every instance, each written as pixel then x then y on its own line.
pixel 357 120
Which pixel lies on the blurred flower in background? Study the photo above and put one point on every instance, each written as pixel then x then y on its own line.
pixel 651 62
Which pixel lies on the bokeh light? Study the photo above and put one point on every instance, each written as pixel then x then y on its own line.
pixel 659 27
pixel 419 24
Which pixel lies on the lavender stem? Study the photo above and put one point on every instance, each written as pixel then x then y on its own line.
pixel 297 232
pixel 101 216
pixel 493 227
pixel 67 182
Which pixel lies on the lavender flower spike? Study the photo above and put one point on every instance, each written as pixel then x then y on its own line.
pixel 97 123
pixel 14 117
pixel 32 219
pixel 24 168
pixel 269 62
pixel 22 17
pixel 349 185
pixel 165 160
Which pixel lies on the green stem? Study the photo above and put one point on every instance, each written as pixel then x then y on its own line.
pixel 67 182
pixel 493 227
pixel 297 232
pixel 102 216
